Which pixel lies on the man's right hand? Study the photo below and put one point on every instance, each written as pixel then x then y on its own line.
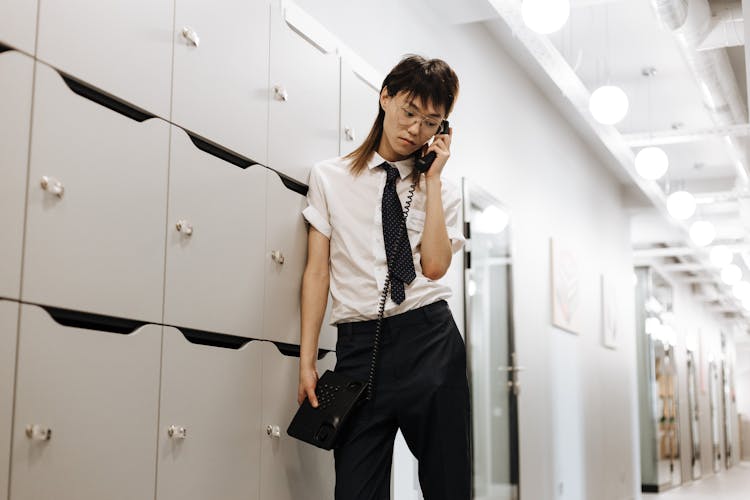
pixel 308 380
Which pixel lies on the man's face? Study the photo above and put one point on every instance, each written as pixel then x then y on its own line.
pixel 407 126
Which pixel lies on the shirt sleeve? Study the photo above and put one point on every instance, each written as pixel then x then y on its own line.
pixel 316 212
pixel 453 219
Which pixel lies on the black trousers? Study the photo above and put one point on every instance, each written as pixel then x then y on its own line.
pixel 420 388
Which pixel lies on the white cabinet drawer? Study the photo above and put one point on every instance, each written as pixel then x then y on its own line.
pixel 98 245
pixel 220 85
pixel 304 107
pixel 290 469
pixel 122 48
pixel 96 392
pixel 215 260
pixel 214 395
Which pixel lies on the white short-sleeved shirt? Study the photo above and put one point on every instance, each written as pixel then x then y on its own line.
pixel 347 210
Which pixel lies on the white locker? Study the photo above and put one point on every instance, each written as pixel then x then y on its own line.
pixel 210 428
pixel 8 335
pixel 290 469
pixel 220 84
pixel 96 205
pixel 304 81
pixel 86 409
pixel 359 108
pixel 122 48
pixel 286 252
pixel 215 242
pixel 18 24
pixel 16 78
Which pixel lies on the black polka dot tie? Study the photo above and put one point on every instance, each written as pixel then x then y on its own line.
pixel 397 247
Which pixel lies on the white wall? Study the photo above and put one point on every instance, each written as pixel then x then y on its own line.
pixel 577 406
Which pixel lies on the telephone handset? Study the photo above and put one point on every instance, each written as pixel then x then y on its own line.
pixel 423 163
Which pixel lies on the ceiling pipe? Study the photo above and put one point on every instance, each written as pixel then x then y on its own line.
pixel 690 22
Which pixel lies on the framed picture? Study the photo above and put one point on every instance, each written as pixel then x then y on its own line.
pixel 609 312
pixel 565 286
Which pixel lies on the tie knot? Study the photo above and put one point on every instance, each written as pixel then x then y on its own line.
pixel 391 172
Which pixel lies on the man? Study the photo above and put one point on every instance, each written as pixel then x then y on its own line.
pixel 355 210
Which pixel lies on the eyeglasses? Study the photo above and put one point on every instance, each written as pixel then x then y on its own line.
pixel 407 115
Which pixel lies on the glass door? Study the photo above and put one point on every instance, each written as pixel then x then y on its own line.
pixel 490 348
pixel 713 386
pixel 693 409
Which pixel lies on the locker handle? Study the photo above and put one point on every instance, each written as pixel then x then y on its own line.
pixel 4 48
pixel 220 152
pixel 191 36
pixel 293 351
pixel 52 186
pixel 280 93
pixel 38 433
pixel 292 184
pixel 119 106
pixel 349 133
pixel 273 431
pixel 177 432
pixel 277 257
pixel 212 339
pixel 184 227
pixel 90 321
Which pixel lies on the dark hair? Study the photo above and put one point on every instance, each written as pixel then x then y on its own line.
pixel 432 80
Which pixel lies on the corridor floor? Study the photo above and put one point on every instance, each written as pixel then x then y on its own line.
pixel 733 484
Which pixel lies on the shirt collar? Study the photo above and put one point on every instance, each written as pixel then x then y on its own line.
pixel 404 166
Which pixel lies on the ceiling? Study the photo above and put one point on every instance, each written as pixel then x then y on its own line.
pixel 614 41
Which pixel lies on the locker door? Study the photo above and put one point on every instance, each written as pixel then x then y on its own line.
pixel 8 335
pixel 220 85
pixel 213 395
pixel 18 24
pixel 122 48
pixel 96 204
pixel 359 108
pixel 304 108
pixel 290 469
pixel 286 254
pixel 16 73
pixel 216 241
pixel 86 408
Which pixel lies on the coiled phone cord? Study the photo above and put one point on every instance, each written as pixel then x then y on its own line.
pixel 384 296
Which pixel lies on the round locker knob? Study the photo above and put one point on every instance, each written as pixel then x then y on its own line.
pixel 184 227
pixel 52 186
pixel 191 36
pixel 38 433
pixel 177 432
pixel 280 93
pixel 349 133
pixel 273 431
pixel 277 256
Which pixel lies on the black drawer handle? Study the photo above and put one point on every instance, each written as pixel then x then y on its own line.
pixel 213 339
pixel 90 321
pixel 220 152
pixel 293 350
pixel 292 184
pixel 92 94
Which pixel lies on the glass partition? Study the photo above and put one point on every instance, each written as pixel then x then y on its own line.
pixel 694 413
pixel 490 348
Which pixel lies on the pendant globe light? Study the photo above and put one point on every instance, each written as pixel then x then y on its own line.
pixel 608 104
pixel 731 274
pixel 681 205
pixel 651 162
pixel 721 256
pixel 702 232
pixel 545 16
